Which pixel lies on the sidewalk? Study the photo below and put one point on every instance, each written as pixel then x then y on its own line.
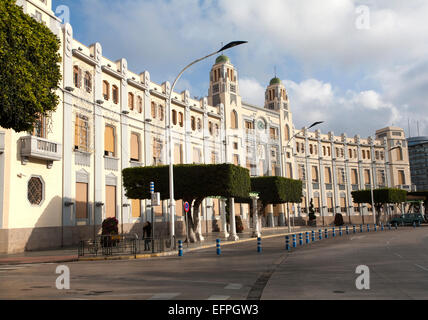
pixel 70 254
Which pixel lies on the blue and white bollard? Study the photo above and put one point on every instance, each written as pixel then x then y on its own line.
pixel 340 231
pixel 313 236
pixel 334 232
pixel 361 228
pixel 347 230
pixel 180 248
pixel 300 239
pixel 354 229
pixel 382 228
pixel 368 228
pixel 307 237
pixel 375 228
pixel 294 241
pixel 287 243
pixel 320 234
pixel 218 247
pixel 259 244
pixel 326 233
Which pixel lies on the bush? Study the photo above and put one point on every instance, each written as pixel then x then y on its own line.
pixel 338 220
pixel 110 226
pixel 239 224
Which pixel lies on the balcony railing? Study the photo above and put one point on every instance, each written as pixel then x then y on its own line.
pixel 342 187
pixel 1 142
pixel 40 148
pixel 134 164
pixel 82 158
pixel 315 185
pixel 111 163
pixel 355 187
pixel 328 186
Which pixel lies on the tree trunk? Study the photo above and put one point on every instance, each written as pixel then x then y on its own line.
pixel 190 234
pixel 196 220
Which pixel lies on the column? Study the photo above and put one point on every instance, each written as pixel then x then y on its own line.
pixel 256 224
pixel 223 218
pixel 233 236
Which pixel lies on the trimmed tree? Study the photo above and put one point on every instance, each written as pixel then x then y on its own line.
pixel 274 190
pixel 381 197
pixel 192 183
pixel 29 68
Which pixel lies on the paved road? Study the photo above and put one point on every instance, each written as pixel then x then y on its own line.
pixel 398 262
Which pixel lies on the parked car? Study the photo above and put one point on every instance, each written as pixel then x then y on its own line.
pixel 408 219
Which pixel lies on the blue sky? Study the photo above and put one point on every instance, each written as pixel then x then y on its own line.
pixel 357 65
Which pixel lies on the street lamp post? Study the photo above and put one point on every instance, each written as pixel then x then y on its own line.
pixel 286 146
pixel 171 170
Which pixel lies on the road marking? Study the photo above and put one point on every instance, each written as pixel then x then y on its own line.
pixel 233 286
pixel 358 237
pixel 218 297
pixel 398 255
pixel 421 267
pixel 164 296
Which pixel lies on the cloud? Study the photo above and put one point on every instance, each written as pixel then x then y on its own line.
pixel 377 76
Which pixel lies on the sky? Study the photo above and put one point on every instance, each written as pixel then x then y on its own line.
pixel 357 65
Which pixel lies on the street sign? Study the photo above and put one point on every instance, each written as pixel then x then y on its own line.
pixel 156 199
pixel 186 207
pixel 152 187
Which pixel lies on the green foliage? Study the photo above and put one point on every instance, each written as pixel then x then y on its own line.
pixel 381 196
pixel 110 226
pixel 190 181
pixel 29 68
pixel 275 190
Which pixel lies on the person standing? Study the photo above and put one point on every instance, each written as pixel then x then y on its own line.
pixel 147 233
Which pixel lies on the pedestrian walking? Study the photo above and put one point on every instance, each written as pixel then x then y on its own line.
pixel 147 234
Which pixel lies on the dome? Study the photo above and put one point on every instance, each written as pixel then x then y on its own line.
pixel 275 81
pixel 222 59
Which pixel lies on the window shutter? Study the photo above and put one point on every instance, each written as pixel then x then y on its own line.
pixel 135 147
pixel 109 140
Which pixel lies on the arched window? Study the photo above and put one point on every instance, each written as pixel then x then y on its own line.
pixel 88 82
pixel 106 90
pixel 109 141
pixel 233 120
pixel 135 147
pixel 153 110
pixel 180 119
pixel 287 133
pixel 193 123
pixel 311 149
pixel 174 117
pixel 130 101
pixel 199 124
pixel 399 154
pixel 161 114
pixel 77 76
pixel 140 104
pixel 115 94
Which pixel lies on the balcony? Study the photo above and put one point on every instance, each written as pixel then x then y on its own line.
pixel 1 142
pixel 40 148
pixel 135 164
pixel 315 185
pixel 404 187
pixel 328 186
pixel 355 187
pixel 82 158
pixel 111 163
pixel 342 187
